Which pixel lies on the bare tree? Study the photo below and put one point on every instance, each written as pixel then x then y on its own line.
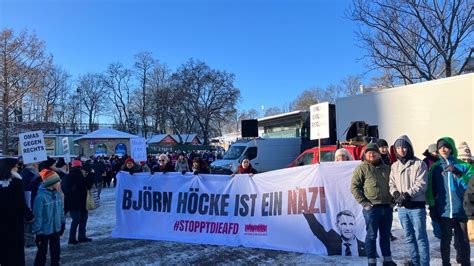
pixel 72 111
pixel 307 98
pixel 116 81
pixel 92 97
pixel 415 39
pixel 207 94
pixel 331 93
pixel 22 63
pixel 161 102
pixel 55 86
pixel 351 85
pixel 274 110
pixel 144 63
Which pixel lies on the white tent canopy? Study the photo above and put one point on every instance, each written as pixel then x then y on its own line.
pixel 107 133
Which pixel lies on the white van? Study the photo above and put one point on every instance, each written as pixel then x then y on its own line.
pixel 264 154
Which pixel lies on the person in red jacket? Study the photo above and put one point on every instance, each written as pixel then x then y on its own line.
pixel 245 168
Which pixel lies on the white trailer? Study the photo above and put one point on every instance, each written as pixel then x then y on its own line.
pixel 424 111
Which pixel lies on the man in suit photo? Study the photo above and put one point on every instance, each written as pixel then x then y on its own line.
pixel 343 243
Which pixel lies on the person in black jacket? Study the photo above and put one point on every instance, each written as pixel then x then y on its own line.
pixel 13 213
pixel 343 243
pixel 131 167
pixel 164 165
pixel 31 182
pixel 99 173
pixel 75 192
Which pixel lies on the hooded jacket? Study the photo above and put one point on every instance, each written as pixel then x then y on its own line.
pixel 411 177
pixel 49 212
pixel 445 190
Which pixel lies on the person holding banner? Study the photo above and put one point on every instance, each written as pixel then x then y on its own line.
pixel 408 184
pixel 13 213
pixel 181 164
pixel 371 189
pixel 245 168
pixel 131 167
pixel 163 165
pixel 199 166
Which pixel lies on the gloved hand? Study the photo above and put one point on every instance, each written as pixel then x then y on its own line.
pixel 434 214
pixel 456 172
pixel 196 172
pixel 401 198
pixel 39 239
pixel 406 198
pixel 183 172
pixel 395 195
pixel 63 227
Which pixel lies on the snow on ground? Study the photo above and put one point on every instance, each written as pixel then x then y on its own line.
pixel 107 250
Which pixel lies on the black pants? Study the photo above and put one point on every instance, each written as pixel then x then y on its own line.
pixel 54 250
pixel 79 218
pixel 462 247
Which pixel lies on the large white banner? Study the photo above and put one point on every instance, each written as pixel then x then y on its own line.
pixel 305 209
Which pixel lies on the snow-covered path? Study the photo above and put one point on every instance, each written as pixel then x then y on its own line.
pixel 107 250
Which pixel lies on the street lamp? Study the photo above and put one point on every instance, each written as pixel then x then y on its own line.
pixel 79 92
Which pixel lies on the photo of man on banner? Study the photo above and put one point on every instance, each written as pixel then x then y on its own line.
pixel 343 243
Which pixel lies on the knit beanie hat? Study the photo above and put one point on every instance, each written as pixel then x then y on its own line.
pixel 371 147
pixel 49 177
pixel 432 148
pixel 443 143
pixel 76 163
pixel 382 143
pixel 129 160
pixel 464 152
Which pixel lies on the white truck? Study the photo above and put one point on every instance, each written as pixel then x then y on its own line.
pixel 423 111
pixel 265 154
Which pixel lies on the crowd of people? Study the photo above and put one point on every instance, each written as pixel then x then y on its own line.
pixel 44 193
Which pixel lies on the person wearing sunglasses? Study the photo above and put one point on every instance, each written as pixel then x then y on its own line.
pixel 164 164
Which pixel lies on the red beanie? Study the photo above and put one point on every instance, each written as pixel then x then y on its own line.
pixel 76 163
pixel 129 160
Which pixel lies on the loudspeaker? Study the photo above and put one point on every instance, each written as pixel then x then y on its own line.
pixel 357 130
pixel 373 131
pixel 250 128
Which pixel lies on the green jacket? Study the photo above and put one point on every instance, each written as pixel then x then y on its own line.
pixel 370 184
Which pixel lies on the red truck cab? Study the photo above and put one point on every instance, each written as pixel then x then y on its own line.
pixel 311 156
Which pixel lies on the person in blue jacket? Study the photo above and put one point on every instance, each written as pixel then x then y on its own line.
pixel 49 224
pixel 448 179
